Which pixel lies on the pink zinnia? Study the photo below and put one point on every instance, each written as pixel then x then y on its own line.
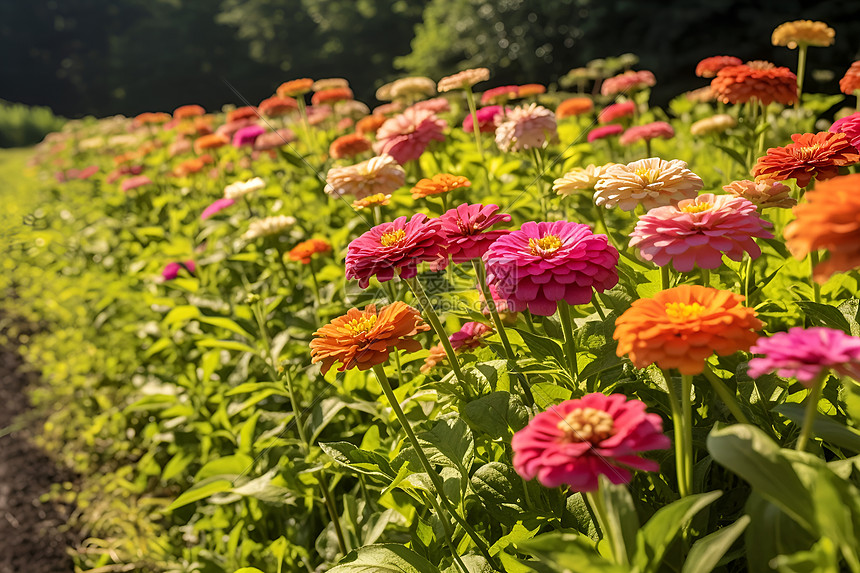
pixel 604 131
pixel 468 230
pixel 699 232
pixel 577 441
pixel 616 111
pixel 469 336
pixel 647 132
pixel 850 126
pixel 500 94
pixel 171 270
pixel 397 246
pixel 135 182
pixel 526 127
pixel 88 172
pixel 503 306
pixel 486 119
pixel 709 67
pixel 274 139
pixel 436 105
pixel 218 205
pixel 806 354
pixel 230 128
pixel 247 135
pixel 544 263
pixel 406 136
pixel 627 82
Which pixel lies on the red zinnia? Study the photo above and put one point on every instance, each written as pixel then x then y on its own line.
pixel 817 155
pixel 500 94
pixel 850 82
pixel 349 145
pixel 188 111
pixel 331 96
pixel 247 112
pixel 756 80
pixel 709 67
pixel 278 106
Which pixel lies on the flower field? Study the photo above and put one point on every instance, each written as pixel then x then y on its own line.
pixel 476 328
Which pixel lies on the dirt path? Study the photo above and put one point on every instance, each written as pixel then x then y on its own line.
pixel 30 539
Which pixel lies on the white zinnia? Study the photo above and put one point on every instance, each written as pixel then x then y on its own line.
pixel 241 188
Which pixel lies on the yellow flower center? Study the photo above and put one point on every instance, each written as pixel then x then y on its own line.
pixel 545 245
pixel 587 425
pixel 649 176
pixel 808 152
pixel 392 237
pixel 683 311
pixel 696 207
pixel 358 326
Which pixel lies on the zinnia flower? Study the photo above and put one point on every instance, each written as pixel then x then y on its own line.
pixel 543 263
pixel 803 32
pixel 629 81
pixel 364 338
pixel 806 354
pixel 850 126
pixel 681 327
pixel 349 145
pixel 151 118
pixel 406 136
pixel 247 135
pixel 829 219
pixel 213 141
pixel 460 80
pixel 351 109
pixel 486 119
pixel 701 95
pixel 436 105
pixel 468 230
pixel 577 441
pixel 295 88
pixel 604 131
pixel 396 247
pixel 379 200
pixel 580 179
pixel 216 206
pixel 278 106
pixel 647 132
pixel 246 112
pixel 188 111
pixel 370 124
pixel 330 96
pixel 714 124
pixel 439 183
pixel 268 226
pixel 135 182
pixel 812 155
pixel 242 188
pixel 470 336
pixel 436 355
pixel 616 111
pixel 763 194
pixel 274 139
pixel 499 95
pixel 527 90
pixel 709 67
pixel 330 84
pixel 412 87
pixel 699 232
pixel 574 106
pixel 762 81
pixel 850 82
pixel 379 174
pixel 652 182
pixel 307 249
pixel 171 270
pixel 191 166
pixel 526 128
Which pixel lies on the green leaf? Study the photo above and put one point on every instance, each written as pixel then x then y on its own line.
pixel 655 536
pixel 181 314
pixel 234 465
pixel 200 491
pixel 567 552
pixel 825 428
pixel 707 551
pixel 383 558
pixel 359 461
pixel 227 324
pixel 498 414
pixel 177 464
pixel 449 443
pixel 226 344
pixel 623 523
pixel 748 452
pixel 500 489
pixel 824 315
pixel 248 570
pixel 541 346
pixel 733 153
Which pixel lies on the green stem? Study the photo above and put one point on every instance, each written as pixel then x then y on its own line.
pixel 316 283
pixel 647 147
pixel 762 130
pixel 595 501
pixel 597 307
pixel 473 110
pixel 664 277
pixel 569 341
pixel 602 218
pixel 816 288
pixel 706 277
pixel 811 412
pixel 436 324
pixel 448 532
pixel 678 423
pixel 481 275
pixel 801 70
pixel 687 419
pixel 428 468
pixel 725 395
pixel 328 499
pixel 747 279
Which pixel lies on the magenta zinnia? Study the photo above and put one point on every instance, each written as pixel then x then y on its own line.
pixel 805 354
pixel 467 228
pixel 396 247
pixel 577 441
pixel 699 232
pixel 543 263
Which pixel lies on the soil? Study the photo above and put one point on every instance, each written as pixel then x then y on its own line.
pixel 31 535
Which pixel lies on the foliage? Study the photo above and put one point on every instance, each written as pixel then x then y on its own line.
pixel 21 126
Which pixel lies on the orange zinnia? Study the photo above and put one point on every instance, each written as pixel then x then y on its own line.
pixel 370 124
pixel 755 80
pixel 277 106
pixel 295 88
pixel 530 90
pixel 850 82
pixel 349 145
pixel 212 141
pixel 364 338
pixel 246 112
pixel 818 155
pixel 574 106
pixel 331 96
pixel 193 165
pixel 152 118
pixel 681 327
pixel 829 219
pixel 306 249
pixel 188 111
pixel 441 183
pixel 377 200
